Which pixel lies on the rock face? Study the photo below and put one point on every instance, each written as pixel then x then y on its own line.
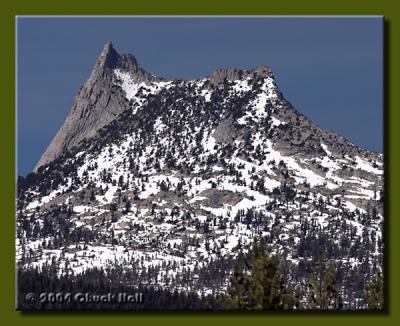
pixel 97 103
pixel 221 75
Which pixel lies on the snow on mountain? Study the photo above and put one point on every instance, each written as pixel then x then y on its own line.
pixel 186 174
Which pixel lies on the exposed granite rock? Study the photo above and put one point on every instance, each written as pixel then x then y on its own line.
pixel 97 103
pixel 226 132
pixel 219 76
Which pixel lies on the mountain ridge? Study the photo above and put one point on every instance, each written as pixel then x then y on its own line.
pixel 90 98
pixel 186 174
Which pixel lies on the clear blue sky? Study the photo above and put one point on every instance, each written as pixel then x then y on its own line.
pixel 330 69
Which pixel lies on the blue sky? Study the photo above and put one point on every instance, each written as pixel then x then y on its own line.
pixel 329 68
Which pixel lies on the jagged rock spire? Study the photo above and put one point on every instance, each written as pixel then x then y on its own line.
pixel 95 105
pixel 108 57
pixel 107 48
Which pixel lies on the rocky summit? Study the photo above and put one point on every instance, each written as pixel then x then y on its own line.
pixel 173 180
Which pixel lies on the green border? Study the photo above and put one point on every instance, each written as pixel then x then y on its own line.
pixel 390 9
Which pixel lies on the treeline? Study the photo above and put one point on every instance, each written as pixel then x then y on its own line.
pixel 257 281
pixel 32 282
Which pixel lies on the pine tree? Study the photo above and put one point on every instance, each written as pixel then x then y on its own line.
pixel 128 206
pixel 374 294
pixel 237 290
pixel 324 293
pixel 265 280
pixel 262 286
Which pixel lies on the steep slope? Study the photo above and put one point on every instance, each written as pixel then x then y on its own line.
pixel 98 101
pixel 181 181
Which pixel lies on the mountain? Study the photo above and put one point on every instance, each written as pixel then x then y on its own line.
pixel 172 180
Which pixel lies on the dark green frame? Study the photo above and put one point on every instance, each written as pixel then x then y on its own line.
pixel 390 9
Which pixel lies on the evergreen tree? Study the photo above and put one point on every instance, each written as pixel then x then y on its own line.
pixel 324 293
pixel 262 286
pixel 237 290
pixel 373 293
pixel 128 206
